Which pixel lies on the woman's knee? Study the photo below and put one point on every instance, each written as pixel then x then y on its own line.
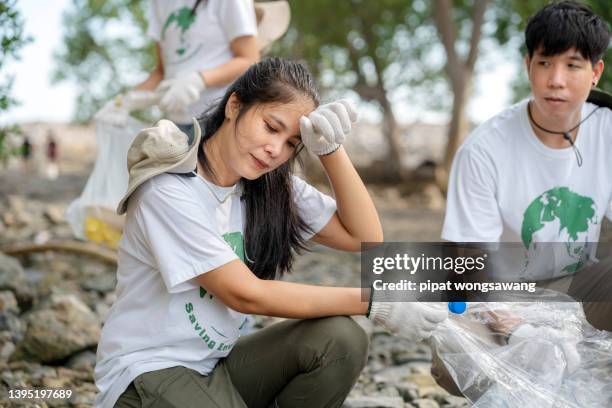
pixel 346 339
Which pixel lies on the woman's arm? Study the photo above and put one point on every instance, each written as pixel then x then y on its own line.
pixel 156 76
pixel 238 288
pixel 245 54
pixel 356 219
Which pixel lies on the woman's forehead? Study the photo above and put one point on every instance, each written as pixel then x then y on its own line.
pixel 300 106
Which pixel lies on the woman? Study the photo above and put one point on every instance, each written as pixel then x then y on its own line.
pixel 187 278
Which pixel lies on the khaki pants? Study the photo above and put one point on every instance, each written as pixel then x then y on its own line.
pixel 295 363
pixel 592 283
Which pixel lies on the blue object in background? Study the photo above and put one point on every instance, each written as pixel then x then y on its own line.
pixel 457 307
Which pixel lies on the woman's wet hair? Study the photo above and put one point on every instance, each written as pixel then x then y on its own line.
pixel 274 228
pixel 561 26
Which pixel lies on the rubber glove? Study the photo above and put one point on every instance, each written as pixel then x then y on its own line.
pixel 117 110
pixel 180 92
pixel 414 321
pixel 326 128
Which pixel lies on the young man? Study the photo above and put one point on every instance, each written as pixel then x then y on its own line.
pixel 541 171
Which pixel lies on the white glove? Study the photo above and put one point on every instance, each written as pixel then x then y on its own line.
pixel 414 321
pixel 566 343
pixel 326 128
pixel 117 110
pixel 180 92
pixel 138 100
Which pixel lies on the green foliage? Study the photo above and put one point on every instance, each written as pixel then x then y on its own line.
pixel 105 50
pixel 368 47
pixel 357 44
pixel 12 39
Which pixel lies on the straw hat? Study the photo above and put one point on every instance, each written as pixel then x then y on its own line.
pixel 160 149
pixel 272 21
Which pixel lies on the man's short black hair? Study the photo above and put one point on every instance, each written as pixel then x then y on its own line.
pixel 561 26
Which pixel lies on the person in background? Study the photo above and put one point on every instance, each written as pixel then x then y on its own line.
pixel 26 153
pixel 202 46
pixel 52 169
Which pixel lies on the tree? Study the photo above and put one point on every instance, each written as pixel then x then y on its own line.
pixel 105 50
pixel 460 72
pixel 388 51
pixel 13 39
pixel 365 47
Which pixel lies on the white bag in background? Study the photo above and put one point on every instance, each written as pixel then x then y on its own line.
pixel 92 216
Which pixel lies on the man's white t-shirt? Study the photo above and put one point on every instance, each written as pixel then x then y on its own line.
pixel 177 228
pixel 506 185
pixel 202 41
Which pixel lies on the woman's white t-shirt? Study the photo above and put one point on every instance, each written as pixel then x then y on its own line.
pixel 202 41
pixel 177 228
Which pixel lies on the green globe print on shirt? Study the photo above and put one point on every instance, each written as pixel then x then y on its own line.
pixel 574 213
pixel 236 242
pixel 182 20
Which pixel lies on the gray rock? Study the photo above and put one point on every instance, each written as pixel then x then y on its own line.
pixel 61 327
pixel 83 395
pixel 104 282
pixel 85 360
pixel 55 214
pixel 393 375
pixel 11 323
pixel 8 302
pixel 407 390
pixel 373 402
pixel 425 403
pixel 402 354
pixel 101 309
pixel 7 347
pixel 388 391
pixel 13 278
pixel 435 393
pixel 451 401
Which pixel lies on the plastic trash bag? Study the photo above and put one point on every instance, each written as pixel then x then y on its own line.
pixel 564 362
pixel 92 215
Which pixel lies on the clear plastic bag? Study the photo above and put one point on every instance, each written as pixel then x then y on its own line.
pixel 554 358
pixel 92 215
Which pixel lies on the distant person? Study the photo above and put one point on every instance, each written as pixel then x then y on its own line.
pixel 52 168
pixel 26 153
pixel 202 46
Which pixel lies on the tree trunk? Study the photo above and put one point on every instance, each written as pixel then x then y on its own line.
pixel 458 129
pixel 391 132
pixel 460 73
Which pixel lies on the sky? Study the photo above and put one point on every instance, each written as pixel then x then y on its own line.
pixel 43 101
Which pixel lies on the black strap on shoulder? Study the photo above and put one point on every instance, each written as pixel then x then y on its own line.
pixel 600 98
pixel 189 174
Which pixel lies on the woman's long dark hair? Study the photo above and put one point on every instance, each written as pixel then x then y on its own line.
pixel 273 225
